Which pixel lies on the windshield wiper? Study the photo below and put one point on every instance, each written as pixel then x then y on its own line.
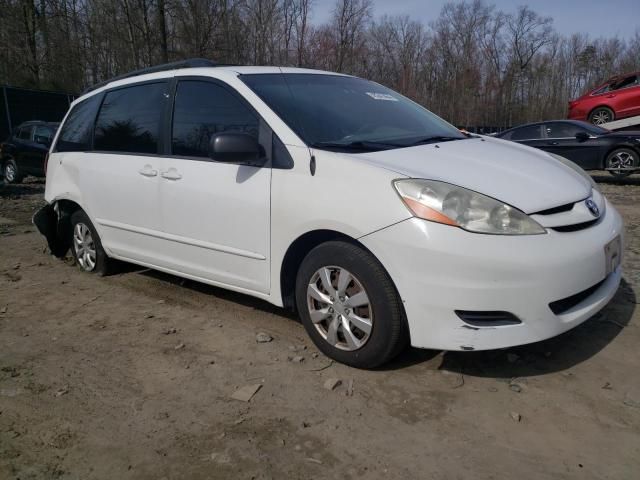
pixel 360 145
pixel 435 139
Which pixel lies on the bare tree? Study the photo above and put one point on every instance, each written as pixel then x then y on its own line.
pixel 350 19
pixel 474 65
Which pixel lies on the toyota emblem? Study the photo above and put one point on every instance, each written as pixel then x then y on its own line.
pixel 593 208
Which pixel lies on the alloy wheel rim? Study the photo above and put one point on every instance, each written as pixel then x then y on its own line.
pixel 621 162
pixel 84 247
pixel 340 308
pixel 9 173
pixel 601 117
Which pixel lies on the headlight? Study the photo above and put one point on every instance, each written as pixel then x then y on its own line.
pixel 451 205
pixel 576 169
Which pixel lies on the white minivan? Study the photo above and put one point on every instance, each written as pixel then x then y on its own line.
pixel 380 223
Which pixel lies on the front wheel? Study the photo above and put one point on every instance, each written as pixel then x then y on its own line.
pixel 86 247
pixel 10 171
pixel 622 162
pixel 349 305
pixel 601 115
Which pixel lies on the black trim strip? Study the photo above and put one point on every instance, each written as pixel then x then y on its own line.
pixel 576 227
pixel 488 318
pixel 565 304
pixel 560 209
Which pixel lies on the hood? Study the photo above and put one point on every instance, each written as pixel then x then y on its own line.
pixel 520 176
pixel 623 134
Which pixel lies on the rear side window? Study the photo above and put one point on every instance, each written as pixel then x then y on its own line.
pixel 526 133
pixel 202 109
pixel 130 118
pixel 75 133
pixel 627 82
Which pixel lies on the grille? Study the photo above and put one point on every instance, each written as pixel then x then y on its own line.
pixel 576 227
pixel 550 211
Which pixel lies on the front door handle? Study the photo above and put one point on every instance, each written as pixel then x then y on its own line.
pixel 148 171
pixel 171 174
pixel 613 95
pixel 554 143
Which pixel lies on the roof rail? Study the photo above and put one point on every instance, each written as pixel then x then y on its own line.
pixel 189 63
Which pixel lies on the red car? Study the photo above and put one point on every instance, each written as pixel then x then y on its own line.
pixel 618 97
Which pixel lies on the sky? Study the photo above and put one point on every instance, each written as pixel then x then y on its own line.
pixel 598 18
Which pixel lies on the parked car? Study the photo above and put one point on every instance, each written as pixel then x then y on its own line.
pixel 379 222
pixel 589 146
pixel 617 98
pixel 24 153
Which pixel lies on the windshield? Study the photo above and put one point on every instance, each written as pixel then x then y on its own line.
pixel 332 111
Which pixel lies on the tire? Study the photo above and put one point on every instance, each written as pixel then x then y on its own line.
pixel 601 115
pixel 622 157
pixel 10 171
pixel 83 231
pixel 360 295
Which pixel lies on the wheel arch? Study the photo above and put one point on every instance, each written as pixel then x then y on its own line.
pixel 299 249
pixel 53 221
pixel 602 105
pixel 619 146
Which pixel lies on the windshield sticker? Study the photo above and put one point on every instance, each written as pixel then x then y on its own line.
pixel 382 96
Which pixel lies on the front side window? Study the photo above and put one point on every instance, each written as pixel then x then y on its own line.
pixel 75 133
pixel 531 132
pixel 25 133
pixel 593 129
pixel 339 110
pixel 603 89
pixel 42 135
pixel 562 130
pixel 130 119
pixel 202 109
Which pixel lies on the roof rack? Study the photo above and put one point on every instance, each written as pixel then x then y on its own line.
pixel 189 63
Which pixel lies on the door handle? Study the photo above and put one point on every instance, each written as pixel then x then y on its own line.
pixel 553 143
pixel 148 171
pixel 171 174
pixel 611 96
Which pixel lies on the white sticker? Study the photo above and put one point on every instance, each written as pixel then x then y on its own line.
pixel 382 96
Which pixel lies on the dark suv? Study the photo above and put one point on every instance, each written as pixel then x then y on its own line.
pixel 24 153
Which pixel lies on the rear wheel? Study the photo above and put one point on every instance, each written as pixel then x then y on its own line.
pixel 601 115
pixel 10 171
pixel 86 246
pixel 349 306
pixel 622 162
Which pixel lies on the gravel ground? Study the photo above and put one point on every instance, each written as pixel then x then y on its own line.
pixel 131 377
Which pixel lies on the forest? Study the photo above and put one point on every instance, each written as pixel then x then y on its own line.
pixel 473 65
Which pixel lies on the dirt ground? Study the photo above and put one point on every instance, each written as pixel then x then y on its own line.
pixel 131 376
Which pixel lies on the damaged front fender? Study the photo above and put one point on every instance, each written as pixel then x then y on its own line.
pixel 53 224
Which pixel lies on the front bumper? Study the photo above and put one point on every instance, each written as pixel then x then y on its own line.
pixel 439 269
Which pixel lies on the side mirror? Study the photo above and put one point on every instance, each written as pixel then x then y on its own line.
pixel 240 148
pixel 582 136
